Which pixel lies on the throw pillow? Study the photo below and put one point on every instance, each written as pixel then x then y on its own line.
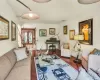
pixel 83 75
pixel 97 52
pixel 66 46
pixel 20 53
pixel 93 74
pixel 94 50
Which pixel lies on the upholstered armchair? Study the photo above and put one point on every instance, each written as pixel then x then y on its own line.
pixel 65 51
pixel 94 62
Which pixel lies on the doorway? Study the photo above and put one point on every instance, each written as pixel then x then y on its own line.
pixel 28 37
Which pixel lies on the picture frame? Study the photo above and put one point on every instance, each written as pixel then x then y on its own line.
pixel 4 28
pixel 86 29
pixel 71 34
pixel 13 31
pixel 52 31
pixel 65 29
pixel 42 32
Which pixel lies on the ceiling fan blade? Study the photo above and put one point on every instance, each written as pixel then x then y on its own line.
pixel 24 4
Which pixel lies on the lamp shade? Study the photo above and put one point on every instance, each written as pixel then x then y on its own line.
pixel 87 1
pixel 79 37
pixel 41 1
pixel 30 16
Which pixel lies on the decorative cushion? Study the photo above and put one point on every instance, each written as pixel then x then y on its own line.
pixel 20 53
pixel 93 74
pixel 66 46
pixel 94 50
pixel 97 52
pixel 83 75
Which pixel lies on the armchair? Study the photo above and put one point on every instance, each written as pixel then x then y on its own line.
pixel 65 51
pixel 94 62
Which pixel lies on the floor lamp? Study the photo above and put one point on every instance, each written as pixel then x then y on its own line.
pixel 77 47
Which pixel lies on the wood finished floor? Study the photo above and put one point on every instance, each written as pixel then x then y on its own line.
pixel 69 61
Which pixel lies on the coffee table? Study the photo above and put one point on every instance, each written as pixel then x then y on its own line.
pixel 64 69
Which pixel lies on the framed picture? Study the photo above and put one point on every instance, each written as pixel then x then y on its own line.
pixel 42 32
pixel 52 31
pixel 65 29
pixel 4 28
pixel 13 31
pixel 71 34
pixel 86 29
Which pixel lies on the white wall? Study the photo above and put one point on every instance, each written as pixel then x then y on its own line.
pixel 41 40
pixel 74 24
pixel 6 12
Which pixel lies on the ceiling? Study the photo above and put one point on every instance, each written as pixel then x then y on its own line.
pixel 54 11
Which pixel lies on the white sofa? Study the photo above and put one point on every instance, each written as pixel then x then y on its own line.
pixel 94 62
pixel 85 56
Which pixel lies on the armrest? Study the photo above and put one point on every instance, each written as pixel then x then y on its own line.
pixel 94 62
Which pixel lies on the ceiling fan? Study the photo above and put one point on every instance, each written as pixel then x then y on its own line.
pixel 29 15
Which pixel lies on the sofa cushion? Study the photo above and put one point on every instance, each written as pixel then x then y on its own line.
pixel 84 75
pixel 5 67
pixel 21 71
pixel 23 62
pixel 94 62
pixel 11 56
pixel 93 74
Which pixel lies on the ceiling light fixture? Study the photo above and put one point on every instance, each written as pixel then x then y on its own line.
pixel 41 1
pixel 29 15
pixel 87 1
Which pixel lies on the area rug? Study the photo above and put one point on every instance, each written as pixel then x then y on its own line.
pixel 59 70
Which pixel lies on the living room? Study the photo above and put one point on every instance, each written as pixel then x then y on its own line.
pixel 55 16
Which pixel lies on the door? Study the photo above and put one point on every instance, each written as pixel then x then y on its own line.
pixel 28 36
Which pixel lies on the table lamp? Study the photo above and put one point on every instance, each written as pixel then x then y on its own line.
pixel 77 47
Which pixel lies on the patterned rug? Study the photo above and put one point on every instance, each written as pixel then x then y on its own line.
pixel 54 68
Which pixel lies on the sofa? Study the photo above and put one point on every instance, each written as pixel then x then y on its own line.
pixel 91 59
pixel 11 69
pixel 94 62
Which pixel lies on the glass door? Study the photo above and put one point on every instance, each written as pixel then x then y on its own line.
pixel 28 36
